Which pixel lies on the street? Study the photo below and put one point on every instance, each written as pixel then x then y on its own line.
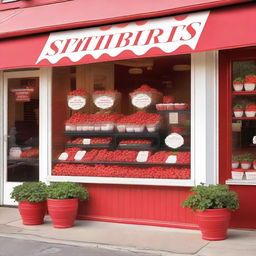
pixel 13 247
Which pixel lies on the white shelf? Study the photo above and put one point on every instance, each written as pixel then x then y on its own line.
pixel 240 182
pixel 125 181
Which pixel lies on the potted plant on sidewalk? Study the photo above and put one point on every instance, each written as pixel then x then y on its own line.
pixel 63 202
pixel 31 198
pixel 212 205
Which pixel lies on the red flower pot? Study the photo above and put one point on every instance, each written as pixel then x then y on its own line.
pixel 213 223
pixel 63 212
pixel 32 213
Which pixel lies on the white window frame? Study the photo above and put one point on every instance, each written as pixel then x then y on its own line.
pixel 204 131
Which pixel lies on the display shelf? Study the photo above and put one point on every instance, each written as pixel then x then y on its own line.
pixel 112 134
pixel 240 182
pixel 22 161
pixel 136 147
pixel 180 149
pixel 89 133
pixel 119 163
pixel 247 93
pixel 171 111
pixel 244 118
pixel 91 146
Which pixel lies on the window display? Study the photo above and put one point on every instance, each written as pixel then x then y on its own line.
pixel 244 120
pixel 137 127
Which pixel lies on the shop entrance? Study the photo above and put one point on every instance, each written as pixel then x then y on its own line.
pixel 21 130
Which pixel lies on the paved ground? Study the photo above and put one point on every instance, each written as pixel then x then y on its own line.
pixel 123 238
pixel 14 247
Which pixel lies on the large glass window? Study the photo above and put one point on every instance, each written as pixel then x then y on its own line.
pixel 128 119
pixel 244 119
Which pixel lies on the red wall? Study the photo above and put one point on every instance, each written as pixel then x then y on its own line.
pixel 148 205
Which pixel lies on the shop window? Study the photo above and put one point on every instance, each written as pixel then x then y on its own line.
pixel 123 119
pixel 244 119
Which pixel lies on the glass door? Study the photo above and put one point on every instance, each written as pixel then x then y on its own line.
pixel 21 130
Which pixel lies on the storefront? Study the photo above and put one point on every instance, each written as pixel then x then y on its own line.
pixel 138 112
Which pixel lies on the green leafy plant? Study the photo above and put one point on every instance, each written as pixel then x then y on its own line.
pixel 211 197
pixel 236 158
pixel 32 192
pixel 247 157
pixel 238 106
pixel 238 80
pixel 67 190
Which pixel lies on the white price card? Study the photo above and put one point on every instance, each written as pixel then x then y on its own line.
pixel 63 156
pixel 174 140
pixel 86 141
pixel 171 159
pixel 142 156
pixel 76 102
pixel 104 102
pixel 173 118
pixel 254 140
pixel 141 100
pixel 79 155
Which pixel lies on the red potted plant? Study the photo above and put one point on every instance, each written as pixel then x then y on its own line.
pixel 212 205
pixel 235 162
pixel 238 110
pixel 246 160
pixel 250 110
pixel 63 202
pixel 238 84
pixel 31 198
pixel 250 82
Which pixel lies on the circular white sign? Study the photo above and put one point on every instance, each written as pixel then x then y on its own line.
pixel 104 102
pixel 76 102
pixel 141 100
pixel 174 140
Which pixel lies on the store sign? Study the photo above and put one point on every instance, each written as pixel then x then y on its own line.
pixel 167 34
pixel 23 95
pixel 141 100
pixel 76 102
pixel 104 102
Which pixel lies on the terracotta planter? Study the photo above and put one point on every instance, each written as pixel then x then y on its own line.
pixel 32 213
pixel 213 223
pixel 63 212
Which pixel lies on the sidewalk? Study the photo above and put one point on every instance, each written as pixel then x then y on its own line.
pixel 155 240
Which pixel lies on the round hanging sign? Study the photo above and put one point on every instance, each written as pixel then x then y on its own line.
pixel 141 100
pixel 104 102
pixel 76 102
pixel 174 140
